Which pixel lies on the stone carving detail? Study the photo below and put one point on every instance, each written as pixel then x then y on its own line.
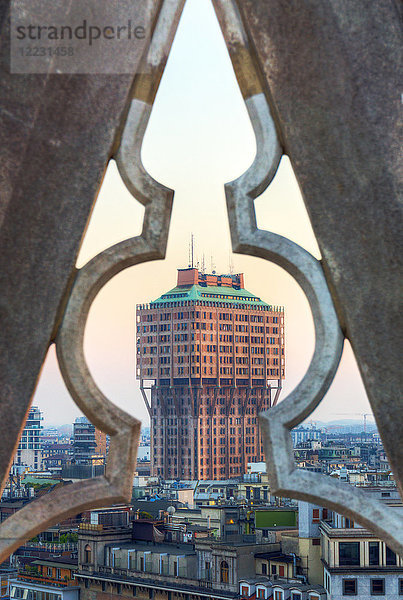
pixel 124 430
pixel 150 245
pixel 285 478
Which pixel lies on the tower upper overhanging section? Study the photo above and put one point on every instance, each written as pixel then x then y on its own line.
pixel 209 330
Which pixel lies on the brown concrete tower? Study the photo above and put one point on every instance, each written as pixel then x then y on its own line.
pixel 212 355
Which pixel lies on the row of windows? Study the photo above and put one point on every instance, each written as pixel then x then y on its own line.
pixel 196 326
pixel 226 297
pixel 257 350
pixel 225 360
pixel 220 400
pixel 207 315
pixel 237 421
pixel 147 328
pixel 180 337
pixel 349 554
pixel 209 303
pixel 222 450
pixel 26 594
pixel 195 359
pixel 221 461
pixel 225 338
pixel 147 349
pixel 203 326
pixel 377 587
pixel 36 446
pixel 278 594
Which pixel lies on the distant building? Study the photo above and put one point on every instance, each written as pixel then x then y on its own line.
pixel 304 434
pixel 213 355
pixel 46 579
pixel 356 562
pixel 271 588
pixel 6 574
pixel 124 562
pixel 143 453
pixel 89 443
pixel 56 456
pixel 138 561
pixel 29 452
pixel 50 435
pixel 310 517
pixel 77 472
pixel 100 442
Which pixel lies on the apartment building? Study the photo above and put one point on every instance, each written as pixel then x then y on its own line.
pixel 89 443
pixel 136 560
pixel 356 562
pixel 29 451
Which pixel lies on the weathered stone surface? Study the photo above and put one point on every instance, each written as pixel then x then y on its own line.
pixel 88 138
pixel 56 135
pixel 333 71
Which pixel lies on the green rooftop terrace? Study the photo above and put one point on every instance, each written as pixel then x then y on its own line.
pixel 210 293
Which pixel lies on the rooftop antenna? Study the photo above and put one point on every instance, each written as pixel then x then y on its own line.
pixel 212 265
pixel 203 267
pixel 230 264
pixel 191 251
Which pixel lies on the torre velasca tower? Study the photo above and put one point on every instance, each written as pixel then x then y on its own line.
pixel 212 355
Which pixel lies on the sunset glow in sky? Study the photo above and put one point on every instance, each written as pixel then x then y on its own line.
pixel 199 137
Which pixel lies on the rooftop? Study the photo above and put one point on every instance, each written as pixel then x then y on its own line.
pixel 61 561
pixel 200 287
pixel 124 576
pixel 278 556
pixel 150 546
pixel 213 293
pixel 285 584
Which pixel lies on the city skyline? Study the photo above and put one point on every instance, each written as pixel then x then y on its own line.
pixel 199 137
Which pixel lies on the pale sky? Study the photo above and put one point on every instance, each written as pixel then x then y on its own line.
pixel 199 137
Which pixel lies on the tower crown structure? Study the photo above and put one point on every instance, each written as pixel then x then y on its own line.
pixel 213 355
pixel 195 277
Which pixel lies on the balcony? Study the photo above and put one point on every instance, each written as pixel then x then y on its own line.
pixel 54 582
pixel 331 531
pixel 86 568
pixel 155 580
pixel 52 546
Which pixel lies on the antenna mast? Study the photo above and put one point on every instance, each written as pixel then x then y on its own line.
pixel 230 264
pixel 212 265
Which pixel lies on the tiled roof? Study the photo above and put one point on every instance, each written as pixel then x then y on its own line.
pixel 212 293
